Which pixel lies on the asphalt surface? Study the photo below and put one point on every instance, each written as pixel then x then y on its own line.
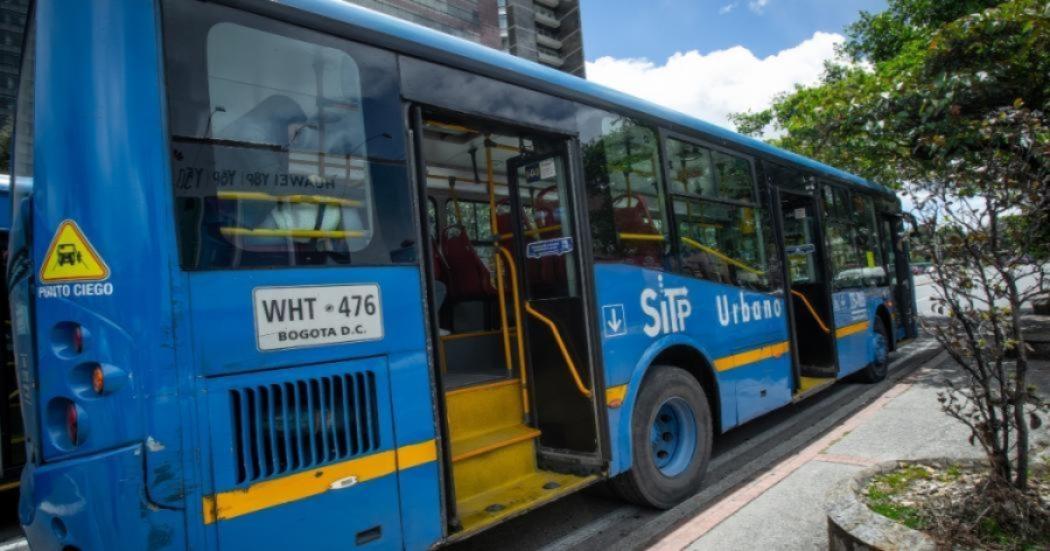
pixel 594 519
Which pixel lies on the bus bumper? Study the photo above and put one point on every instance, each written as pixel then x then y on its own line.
pixel 95 502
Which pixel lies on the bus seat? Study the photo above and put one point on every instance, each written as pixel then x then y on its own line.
pixel 631 215
pixel 547 217
pixel 468 277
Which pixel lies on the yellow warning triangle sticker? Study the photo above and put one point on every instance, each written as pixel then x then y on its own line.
pixel 72 258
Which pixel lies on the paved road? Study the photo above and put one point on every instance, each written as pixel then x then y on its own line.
pixel 596 520
pixel 926 291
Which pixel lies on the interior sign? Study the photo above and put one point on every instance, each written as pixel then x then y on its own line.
pixel 294 317
pixel 549 247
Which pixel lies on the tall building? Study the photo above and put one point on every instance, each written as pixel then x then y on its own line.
pixel 12 21
pixel 475 20
pixel 547 31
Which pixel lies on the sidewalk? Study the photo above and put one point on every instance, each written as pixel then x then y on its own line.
pixel 784 508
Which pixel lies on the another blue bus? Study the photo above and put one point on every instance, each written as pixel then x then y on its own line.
pixel 296 274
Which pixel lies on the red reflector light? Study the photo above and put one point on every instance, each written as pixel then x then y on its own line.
pixel 72 422
pixel 78 339
pixel 98 379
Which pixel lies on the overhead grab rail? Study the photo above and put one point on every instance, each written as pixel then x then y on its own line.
pixel 812 311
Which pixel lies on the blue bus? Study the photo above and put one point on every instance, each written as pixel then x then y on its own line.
pixel 294 273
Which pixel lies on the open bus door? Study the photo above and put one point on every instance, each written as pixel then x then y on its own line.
pixel 902 284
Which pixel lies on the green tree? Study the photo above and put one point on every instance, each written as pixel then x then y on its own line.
pixel 947 100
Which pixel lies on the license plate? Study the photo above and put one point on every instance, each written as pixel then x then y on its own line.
pixel 293 317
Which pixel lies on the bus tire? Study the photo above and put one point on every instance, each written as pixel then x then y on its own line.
pixel 876 370
pixel 671 434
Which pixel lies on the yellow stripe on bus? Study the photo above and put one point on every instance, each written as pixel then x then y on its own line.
pixel 848 330
pixel 614 395
pixel 751 356
pixel 271 493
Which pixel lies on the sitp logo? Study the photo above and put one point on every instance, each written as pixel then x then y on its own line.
pixel 667 309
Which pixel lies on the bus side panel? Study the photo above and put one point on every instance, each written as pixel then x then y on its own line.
pixel 400 506
pixel 101 163
pixel 742 334
pixel 855 316
pixel 415 420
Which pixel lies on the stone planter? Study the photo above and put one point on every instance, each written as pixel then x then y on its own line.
pixel 852 526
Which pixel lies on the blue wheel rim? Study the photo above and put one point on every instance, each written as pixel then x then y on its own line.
pixel 672 437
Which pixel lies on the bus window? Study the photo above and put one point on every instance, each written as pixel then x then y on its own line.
pixel 867 238
pixel 625 195
pixel 721 228
pixel 277 158
pixel 846 249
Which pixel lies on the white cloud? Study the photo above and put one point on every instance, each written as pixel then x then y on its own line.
pixel 711 86
pixel 757 6
pixel 728 8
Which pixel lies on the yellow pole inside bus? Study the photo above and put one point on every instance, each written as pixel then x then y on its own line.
pixel 501 294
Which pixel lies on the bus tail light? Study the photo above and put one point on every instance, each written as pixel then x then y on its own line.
pixel 77 339
pixel 98 379
pixel 72 423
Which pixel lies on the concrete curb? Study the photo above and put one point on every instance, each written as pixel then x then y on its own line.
pixel 852 526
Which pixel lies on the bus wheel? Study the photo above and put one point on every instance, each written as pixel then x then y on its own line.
pixel 671 435
pixel 876 370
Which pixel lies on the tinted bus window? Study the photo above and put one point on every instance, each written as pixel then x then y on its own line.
pixel 625 194
pixel 287 145
pixel 723 231
pixel 851 237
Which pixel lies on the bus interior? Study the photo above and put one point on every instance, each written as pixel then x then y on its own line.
pixel 511 332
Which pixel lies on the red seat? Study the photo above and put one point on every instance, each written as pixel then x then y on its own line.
pixel 631 215
pixel 468 277
pixel 551 269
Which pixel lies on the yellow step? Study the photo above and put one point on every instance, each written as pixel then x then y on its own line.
pixel 513 498
pixel 812 385
pixel 476 474
pixel 479 409
pixel 485 442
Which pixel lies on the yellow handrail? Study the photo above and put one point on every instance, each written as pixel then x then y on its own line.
pixel 302 234
pixel 500 294
pixel 504 325
pixel 812 311
pixel 532 233
pixel 719 254
pixel 504 253
pixel 641 236
pixel 308 199
pixel 561 346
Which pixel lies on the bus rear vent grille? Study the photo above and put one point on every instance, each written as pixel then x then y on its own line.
pixel 284 427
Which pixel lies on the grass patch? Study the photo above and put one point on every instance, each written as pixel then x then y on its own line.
pixel 883 489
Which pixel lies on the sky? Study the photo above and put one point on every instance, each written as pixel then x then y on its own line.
pixel 709 58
